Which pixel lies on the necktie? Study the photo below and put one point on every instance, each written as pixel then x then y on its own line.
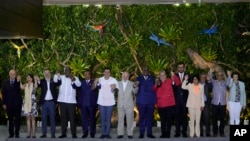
pixel 12 82
pixel 146 77
pixel 181 76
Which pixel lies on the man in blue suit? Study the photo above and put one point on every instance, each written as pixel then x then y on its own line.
pixel 87 101
pixel 145 100
pixel 48 102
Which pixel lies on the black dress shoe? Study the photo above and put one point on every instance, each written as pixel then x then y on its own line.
pixel 108 136
pixel 84 136
pixel 102 136
pixel 130 137
pixel 208 135
pixel 43 136
pixel 150 136
pixel 74 136
pixel 177 135
pixel 141 136
pixel 17 136
pixel 92 135
pixel 62 136
pixel 163 136
pixel 53 136
pixel 33 136
pixel 184 135
pixel 28 137
pixel 222 135
pixel 120 136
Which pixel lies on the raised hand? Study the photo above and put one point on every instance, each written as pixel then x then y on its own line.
pixel 137 83
pixel 71 76
pixel 229 73
pixel 36 78
pixel 186 77
pixel 18 78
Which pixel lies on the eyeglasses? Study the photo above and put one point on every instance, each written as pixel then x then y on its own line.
pixel 145 70
pixel 219 75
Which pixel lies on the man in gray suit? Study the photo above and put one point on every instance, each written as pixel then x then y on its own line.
pixel 125 105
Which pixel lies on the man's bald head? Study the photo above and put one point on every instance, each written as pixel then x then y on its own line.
pixel 12 74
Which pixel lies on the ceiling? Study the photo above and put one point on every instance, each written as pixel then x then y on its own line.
pixel 129 2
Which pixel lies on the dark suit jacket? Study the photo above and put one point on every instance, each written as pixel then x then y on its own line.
pixel 207 89
pixel 44 88
pixel 11 94
pixel 180 94
pixel 146 93
pixel 87 96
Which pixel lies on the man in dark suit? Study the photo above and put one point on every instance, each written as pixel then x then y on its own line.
pixel 205 114
pixel 181 100
pixel 12 103
pixel 145 100
pixel 87 102
pixel 48 99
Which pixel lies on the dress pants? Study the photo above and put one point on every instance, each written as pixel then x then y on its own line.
pixel 48 109
pixel 88 119
pixel 14 118
pixel 194 123
pixel 219 113
pixel 146 114
pixel 68 113
pixel 181 117
pixel 205 119
pixel 234 112
pixel 166 115
pixel 129 113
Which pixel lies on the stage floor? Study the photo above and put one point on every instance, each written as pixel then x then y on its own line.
pixel 156 131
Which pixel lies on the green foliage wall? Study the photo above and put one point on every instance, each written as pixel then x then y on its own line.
pixel 125 44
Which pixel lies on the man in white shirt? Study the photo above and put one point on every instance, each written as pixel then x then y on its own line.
pixel 67 100
pixel 106 100
pixel 48 99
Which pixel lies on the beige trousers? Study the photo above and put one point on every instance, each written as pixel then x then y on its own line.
pixel 194 123
pixel 129 113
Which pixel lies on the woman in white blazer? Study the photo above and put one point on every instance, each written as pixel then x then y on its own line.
pixel 195 103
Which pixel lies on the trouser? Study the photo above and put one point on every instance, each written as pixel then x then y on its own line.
pixel 48 109
pixel 219 113
pixel 181 117
pixel 234 112
pixel 14 118
pixel 166 114
pixel 106 114
pixel 205 119
pixel 68 113
pixel 88 119
pixel 129 113
pixel 146 113
pixel 194 123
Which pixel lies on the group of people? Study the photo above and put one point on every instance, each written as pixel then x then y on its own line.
pixel 177 98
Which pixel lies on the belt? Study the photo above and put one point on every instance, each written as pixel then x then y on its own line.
pixel 49 100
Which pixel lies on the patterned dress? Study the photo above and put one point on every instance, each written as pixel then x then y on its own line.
pixel 29 107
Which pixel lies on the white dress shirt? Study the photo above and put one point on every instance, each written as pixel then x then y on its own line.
pixel 48 95
pixel 124 84
pixel 67 94
pixel 106 96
